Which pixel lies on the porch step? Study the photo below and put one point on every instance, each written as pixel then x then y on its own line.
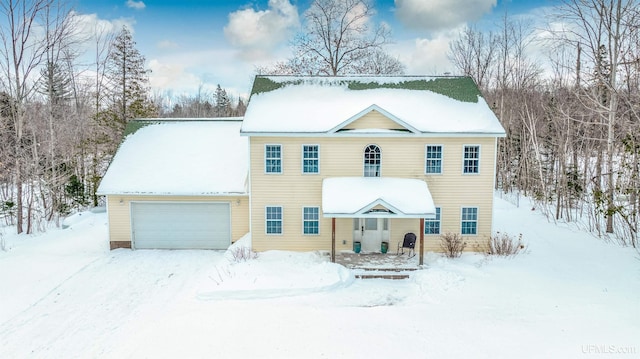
pixel 383 273
pixel 408 269
pixel 382 276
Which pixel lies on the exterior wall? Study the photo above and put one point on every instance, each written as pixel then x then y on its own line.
pixel 401 157
pixel 119 214
pixel 373 119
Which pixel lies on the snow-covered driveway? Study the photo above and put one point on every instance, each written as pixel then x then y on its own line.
pixel 65 295
pixel 87 314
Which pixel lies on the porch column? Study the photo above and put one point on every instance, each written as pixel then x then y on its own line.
pixel 333 240
pixel 421 262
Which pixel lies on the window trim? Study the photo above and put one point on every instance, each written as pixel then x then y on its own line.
pixel 304 221
pixel 302 158
pixel 266 158
pixel 364 158
pixel 464 147
pixel 438 220
pixel 266 220
pixel 462 220
pixel 426 159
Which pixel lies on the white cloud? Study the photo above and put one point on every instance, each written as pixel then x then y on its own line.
pixel 440 14
pixel 167 45
pixel 186 72
pixel 426 56
pixel 358 11
pixel 91 24
pixel 257 33
pixel 138 5
pixel 166 76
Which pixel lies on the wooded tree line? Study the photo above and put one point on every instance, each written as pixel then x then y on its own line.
pixel 62 115
pixel 573 129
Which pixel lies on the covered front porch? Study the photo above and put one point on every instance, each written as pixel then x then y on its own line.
pixel 373 203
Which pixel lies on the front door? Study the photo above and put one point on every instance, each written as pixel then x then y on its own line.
pixel 371 232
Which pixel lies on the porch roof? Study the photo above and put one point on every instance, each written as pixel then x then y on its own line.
pixel 377 197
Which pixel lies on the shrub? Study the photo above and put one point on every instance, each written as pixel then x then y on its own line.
pixel 504 244
pixel 241 254
pixel 452 244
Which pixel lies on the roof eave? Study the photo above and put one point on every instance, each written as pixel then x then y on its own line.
pixel 169 193
pixel 379 215
pixel 371 134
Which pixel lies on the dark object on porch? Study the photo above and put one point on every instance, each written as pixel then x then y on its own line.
pixel 409 242
pixel 357 246
pixel 384 247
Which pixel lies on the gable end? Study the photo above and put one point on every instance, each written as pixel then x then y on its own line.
pixel 374 117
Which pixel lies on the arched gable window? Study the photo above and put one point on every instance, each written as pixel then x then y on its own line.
pixel 372 161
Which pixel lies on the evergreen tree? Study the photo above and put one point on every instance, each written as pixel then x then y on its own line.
pixel 240 109
pixel 129 80
pixel 223 104
pixel 55 84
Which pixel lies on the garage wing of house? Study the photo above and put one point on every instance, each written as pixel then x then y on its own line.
pixel 176 183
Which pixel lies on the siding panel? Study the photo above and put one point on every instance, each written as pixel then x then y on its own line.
pixel 374 119
pixel 119 207
pixel 401 157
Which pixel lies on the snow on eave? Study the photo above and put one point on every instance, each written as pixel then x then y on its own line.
pixel 172 193
pixel 373 133
pixel 190 119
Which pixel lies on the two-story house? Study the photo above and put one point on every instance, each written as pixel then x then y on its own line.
pixel 317 163
pixel 338 160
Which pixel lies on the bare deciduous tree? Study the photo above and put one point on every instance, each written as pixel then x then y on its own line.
pixel 473 53
pixel 21 54
pixel 604 29
pixel 339 38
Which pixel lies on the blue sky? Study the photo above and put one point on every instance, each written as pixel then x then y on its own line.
pixel 192 44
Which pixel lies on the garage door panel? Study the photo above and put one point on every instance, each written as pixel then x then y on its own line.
pixel 181 225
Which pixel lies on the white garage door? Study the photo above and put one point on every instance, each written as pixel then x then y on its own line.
pixel 180 225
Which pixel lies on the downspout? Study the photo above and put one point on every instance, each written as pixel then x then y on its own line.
pixel 333 240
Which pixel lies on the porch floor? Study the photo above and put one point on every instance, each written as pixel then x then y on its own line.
pixel 389 262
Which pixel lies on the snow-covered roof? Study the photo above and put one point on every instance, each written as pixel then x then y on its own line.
pixel 169 157
pixel 382 197
pixel 315 105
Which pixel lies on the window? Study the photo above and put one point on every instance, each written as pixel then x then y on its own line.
pixel 432 226
pixel 310 159
pixel 471 159
pixel 311 220
pixel 273 216
pixel 469 220
pixel 372 161
pixel 272 159
pixel 433 159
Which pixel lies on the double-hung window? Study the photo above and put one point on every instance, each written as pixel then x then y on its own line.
pixel 311 220
pixel 432 226
pixel 471 163
pixel 310 159
pixel 272 159
pixel 469 224
pixel 273 219
pixel 433 159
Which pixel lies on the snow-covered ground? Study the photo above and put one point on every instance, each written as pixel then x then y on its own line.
pixel 65 295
